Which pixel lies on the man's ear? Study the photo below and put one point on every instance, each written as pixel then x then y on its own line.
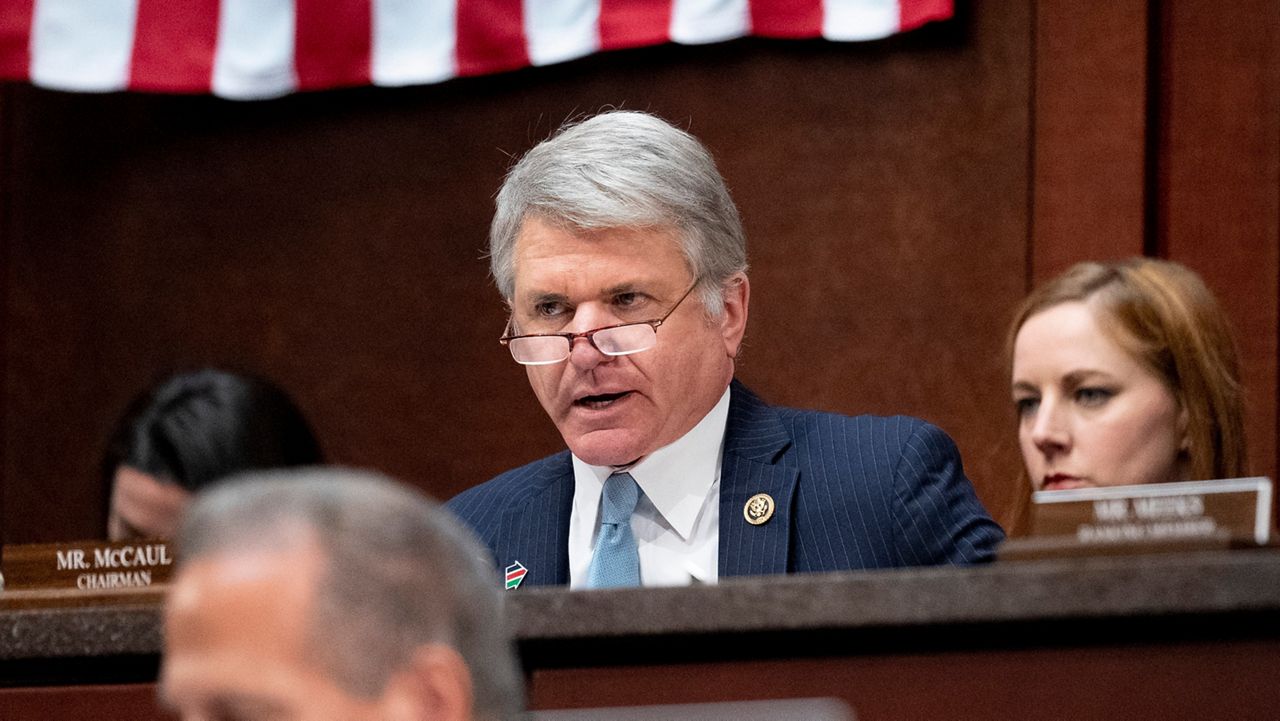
pixel 434 684
pixel 733 321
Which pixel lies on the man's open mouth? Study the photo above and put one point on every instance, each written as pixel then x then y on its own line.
pixel 601 401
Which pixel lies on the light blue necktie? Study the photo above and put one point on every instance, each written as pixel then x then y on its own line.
pixel 616 562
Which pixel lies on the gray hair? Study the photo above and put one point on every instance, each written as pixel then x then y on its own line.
pixel 624 169
pixel 400 572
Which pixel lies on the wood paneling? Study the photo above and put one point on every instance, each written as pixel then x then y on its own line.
pixel 1138 681
pixel 1219 179
pixel 6 237
pixel 1089 185
pixel 333 242
pixel 1146 681
pixel 136 702
pixel 900 197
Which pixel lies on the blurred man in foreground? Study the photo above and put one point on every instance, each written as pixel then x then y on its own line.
pixel 332 594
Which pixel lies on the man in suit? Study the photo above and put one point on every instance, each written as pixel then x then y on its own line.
pixel 623 261
pixel 333 594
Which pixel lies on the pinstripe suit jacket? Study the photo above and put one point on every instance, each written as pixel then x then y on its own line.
pixel 851 493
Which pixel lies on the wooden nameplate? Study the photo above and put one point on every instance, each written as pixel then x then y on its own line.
pixel 88 566
pixel 1150 518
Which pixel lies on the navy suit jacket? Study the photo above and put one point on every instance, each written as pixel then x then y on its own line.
pixel 850 493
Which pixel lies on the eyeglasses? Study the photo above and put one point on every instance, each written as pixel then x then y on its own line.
pixel 540 349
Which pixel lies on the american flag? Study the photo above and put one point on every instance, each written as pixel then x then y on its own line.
pixel 247 49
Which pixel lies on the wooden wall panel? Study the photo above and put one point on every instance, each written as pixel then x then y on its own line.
pixel 136 702
pixel 1132 681
pixel 1219 181
pixel 6 237
pixel 899 196
pixel 333 241
pixel 1148 682
pixel 1090 154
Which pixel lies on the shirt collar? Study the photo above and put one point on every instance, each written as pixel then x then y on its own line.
pixel 675 478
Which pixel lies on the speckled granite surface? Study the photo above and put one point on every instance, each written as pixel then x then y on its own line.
pixel 1206 583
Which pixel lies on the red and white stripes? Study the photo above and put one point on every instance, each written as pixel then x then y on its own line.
pixel 249 49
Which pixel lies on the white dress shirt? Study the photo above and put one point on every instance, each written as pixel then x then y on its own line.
pixel 676 522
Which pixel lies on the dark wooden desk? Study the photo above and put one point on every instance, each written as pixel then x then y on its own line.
pixel 1168 636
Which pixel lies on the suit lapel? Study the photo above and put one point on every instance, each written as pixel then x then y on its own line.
pixel 755 462
pixel 535 531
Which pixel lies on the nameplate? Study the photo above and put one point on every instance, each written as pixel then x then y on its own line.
pixel 86 565
pixel 1226 511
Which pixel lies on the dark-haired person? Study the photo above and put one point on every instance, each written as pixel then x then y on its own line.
pixel 623 261
pixel 190 430
pixel 323 593
pixel 1126 373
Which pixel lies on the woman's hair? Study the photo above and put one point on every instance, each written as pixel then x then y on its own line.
pixel 195 428
pixel 1162 314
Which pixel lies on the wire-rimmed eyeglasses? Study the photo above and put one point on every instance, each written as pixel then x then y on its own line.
pixel 539 349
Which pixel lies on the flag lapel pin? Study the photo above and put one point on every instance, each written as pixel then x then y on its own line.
pixel 515 575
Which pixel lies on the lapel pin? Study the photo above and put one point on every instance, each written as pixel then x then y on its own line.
pixel 759 509
pixel 515 575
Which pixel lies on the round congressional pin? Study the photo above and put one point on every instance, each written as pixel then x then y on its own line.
pixel 759 509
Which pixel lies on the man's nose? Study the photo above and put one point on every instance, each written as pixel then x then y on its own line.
pixel 583 353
